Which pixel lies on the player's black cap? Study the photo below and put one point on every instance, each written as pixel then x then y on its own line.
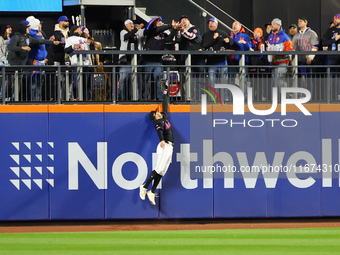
pixel 152 115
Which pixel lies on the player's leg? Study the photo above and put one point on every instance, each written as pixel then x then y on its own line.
pixel 143 188
pixel 152 177
pixel 155 177
pixel 156 181
pixel 152 193
pixel 163 162
pixel 164 159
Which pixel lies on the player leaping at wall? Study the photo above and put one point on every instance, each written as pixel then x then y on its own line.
pixel 164 148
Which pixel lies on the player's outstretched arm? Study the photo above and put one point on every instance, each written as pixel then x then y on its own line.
pixel 165 101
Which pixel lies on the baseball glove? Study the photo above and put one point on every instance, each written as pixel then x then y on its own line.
pixel 163 85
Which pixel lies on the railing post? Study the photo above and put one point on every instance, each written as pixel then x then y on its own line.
pixel 328 85
pixel 188 77
pixel 242 73
pixel 80 78
pixel 134 77
pixel 59 84
pixel 67 86
pixel 168 77
pixel 16 86
pixel 168 83
pixel 295 73
pixel 114 85
pixel 3 85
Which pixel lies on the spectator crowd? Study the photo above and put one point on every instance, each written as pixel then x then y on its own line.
pixel 27 44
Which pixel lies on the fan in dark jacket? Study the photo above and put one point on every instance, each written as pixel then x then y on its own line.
pixel 217 40
pixel 19 46
pixel 155 38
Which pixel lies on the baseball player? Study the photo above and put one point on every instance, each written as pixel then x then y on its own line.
pixel 164 148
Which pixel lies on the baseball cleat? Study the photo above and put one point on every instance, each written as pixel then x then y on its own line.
pixel 142 192
pixel 151 197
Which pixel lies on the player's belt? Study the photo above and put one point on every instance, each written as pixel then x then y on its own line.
pixel 168 142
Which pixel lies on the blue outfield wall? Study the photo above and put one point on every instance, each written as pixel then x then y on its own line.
pixel 87 162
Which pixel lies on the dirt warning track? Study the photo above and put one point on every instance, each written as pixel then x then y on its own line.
pixel 148 225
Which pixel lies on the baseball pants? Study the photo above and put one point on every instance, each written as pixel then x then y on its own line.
pixel 164 156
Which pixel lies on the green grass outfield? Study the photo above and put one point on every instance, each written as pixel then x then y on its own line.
pixel 230 241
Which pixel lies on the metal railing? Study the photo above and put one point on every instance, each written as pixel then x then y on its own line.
pixel 138 83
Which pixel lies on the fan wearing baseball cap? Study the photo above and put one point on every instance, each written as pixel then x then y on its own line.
pixel 190 36
pixel 305 40
pixel 216 40
pixel 63 18
pixel 61 32
pixel 130 37
pixel 155 39
pixel 278 40
pixel 292 30
pixel 76 41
